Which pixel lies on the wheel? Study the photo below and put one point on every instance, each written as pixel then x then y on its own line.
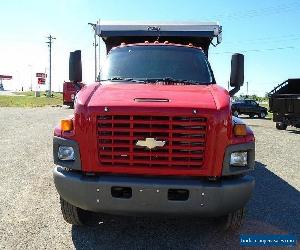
pixel 281 126
pixel 72 214
pixel 262 114
pixel 236 113
pixel 251 115
pixel 232 221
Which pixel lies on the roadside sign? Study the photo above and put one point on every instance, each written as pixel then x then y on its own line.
pixel 5 77
pixel 41 80
pixel 41 75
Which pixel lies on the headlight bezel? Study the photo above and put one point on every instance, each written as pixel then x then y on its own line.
pixel 239 159
pixel 66 153
pixel 229 170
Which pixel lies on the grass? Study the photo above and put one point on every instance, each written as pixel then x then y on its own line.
pixel 27 99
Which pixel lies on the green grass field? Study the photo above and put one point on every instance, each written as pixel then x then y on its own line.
pixel 27 99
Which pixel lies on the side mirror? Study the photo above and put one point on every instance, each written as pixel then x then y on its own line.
pixel 75 68
pixel 237 70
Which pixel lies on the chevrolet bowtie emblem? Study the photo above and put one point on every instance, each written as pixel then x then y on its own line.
pixel 150 143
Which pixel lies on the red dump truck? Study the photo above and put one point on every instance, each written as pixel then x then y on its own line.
pixel 70 89
pixel 156 134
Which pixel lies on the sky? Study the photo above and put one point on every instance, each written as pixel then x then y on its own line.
pixel 265 31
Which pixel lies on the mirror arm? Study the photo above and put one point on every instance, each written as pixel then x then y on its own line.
pixel 233 91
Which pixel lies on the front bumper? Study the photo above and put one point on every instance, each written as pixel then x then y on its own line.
pixel 151 195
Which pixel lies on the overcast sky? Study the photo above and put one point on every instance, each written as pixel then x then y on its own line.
pixel 267 32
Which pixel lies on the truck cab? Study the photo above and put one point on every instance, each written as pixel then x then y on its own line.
pixel 155 135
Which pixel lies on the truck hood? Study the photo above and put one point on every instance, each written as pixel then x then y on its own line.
pixel 155 95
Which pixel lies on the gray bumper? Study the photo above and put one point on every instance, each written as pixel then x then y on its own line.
pixel 150 195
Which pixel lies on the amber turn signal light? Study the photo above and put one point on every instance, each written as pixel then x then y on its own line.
pixel 66 125
pixel 240 130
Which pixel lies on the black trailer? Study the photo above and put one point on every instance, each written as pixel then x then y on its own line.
pixel 284 102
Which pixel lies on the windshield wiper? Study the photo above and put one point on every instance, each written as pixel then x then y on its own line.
pixel 121 79
pixel 170 80
pixel 154 80
pixel 117 79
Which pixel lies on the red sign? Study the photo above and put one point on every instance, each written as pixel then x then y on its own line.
pixel 41 80
pixel 5 77
pixel 41 75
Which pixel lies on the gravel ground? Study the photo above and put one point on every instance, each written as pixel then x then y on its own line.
pixel 29 208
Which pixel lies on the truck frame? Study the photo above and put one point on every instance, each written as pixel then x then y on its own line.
pixel 155 135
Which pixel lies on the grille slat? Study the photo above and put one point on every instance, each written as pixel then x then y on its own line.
pixel 194 148
pixel 135 138
pixel 154 154
pixel 185 130
pixel 147 122
pixel 184 141
pixel 164 163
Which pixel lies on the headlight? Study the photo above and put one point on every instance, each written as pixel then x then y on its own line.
pixel 239 159
pixel 66 153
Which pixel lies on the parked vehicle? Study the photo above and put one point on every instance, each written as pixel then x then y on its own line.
pixel 70 89
pixel 156 134
pixel 284 102
pixel 248 107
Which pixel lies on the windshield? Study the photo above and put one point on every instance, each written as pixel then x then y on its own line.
pixel 166 63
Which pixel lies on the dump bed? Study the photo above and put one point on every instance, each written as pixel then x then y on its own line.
pixel 285 98
pixel 199 34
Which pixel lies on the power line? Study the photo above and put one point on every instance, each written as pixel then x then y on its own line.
pixel 254 50
pixel 50 38
pixel 278 9
pixel 270 39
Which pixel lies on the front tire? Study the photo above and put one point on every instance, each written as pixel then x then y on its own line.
pixel 281 126
pixel 73 215
pixel 262 114
pixel 233 221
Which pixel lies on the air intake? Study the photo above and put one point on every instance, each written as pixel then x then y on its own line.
pixel 151 100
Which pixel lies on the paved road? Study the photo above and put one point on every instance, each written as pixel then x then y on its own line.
pixel 30 214
pixel 8 93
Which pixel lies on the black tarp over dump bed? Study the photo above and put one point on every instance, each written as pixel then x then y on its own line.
pixel 199 34
pixel 285 98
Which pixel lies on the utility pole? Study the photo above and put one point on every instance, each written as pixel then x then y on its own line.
pixel 95 45
pixel 247 88
pixel 50 38
pixel 29 65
